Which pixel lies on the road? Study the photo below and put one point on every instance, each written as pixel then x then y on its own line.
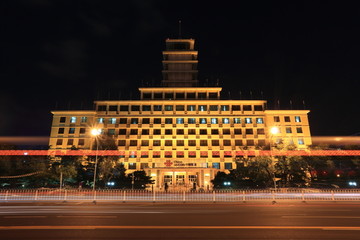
pixel 79 220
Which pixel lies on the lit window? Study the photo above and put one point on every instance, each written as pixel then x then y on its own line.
pixel 191 108
pixel 191 121
pixel 288 130
pixel 203 120
pixel 216 165
pixel 83 119
pixel 132 165
pixel 225 108
pixel 297 119
pixel 248 120
pixel 100 120
pixel 259 120
pixel 168 107
pixel 134 121
pixel 73 120
pixel 157 108
pixel 301 141
pixel 237 120
pixel 71 130
pixel 226 120
pixel 202 108
pixel 180 120
pixel 214 120
pixel 112 120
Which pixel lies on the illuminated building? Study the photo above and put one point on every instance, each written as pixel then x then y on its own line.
pixel 181 133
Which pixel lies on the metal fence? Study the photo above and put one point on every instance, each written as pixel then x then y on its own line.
pixel 31 195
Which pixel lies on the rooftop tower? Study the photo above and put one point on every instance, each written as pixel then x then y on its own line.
pixel 180 63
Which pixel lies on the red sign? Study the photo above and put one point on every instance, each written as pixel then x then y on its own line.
pixel 168 163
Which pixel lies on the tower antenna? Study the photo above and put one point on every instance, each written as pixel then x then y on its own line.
pixel 179 29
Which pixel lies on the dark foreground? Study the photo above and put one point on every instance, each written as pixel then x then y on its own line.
pixel 180 221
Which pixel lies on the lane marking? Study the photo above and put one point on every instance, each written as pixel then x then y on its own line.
pixel 334 228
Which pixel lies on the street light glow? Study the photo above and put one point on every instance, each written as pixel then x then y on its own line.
pixel 274 130
pixel 95 131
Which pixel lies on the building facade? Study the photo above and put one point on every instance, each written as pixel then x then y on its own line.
pixel 181 134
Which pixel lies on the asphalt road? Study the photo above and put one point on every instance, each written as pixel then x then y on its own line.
pixel 180 221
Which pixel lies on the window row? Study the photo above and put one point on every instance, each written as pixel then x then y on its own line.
pixel 200 108
pixel 247 120
pixel 287 119
pixel 190 142
pixel 188 95
pixel 227 165
pixel 227 131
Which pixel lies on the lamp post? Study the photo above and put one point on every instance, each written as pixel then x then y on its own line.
pixel 95 132
pixel 273 131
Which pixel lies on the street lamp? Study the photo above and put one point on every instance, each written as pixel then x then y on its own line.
pixel 95 132
pixel 273 131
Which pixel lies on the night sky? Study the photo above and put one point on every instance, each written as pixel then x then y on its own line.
pixel 66 54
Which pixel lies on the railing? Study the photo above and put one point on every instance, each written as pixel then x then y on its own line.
pixel 180 196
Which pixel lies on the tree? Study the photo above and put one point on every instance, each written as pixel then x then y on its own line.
pixel 220 179
pixel 139 179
